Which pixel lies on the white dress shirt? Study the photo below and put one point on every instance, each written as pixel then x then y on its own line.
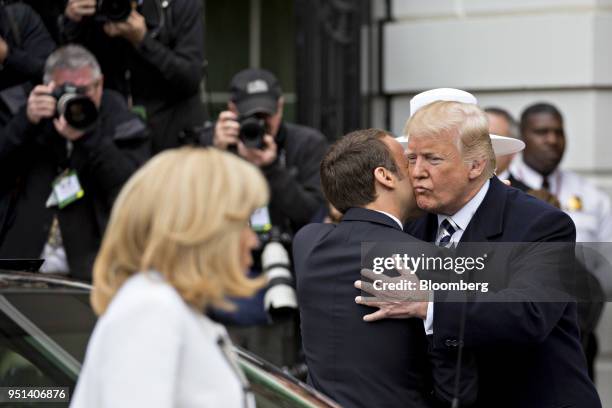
pixel 150 349
pixel 460 220
pixel 393 217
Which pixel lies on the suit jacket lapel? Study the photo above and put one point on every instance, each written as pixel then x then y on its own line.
pixel 488 220
pixel 424 228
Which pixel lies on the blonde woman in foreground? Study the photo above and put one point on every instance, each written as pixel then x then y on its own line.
pixel 178 241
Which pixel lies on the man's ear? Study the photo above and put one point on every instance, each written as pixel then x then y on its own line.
pixel 477 167
pixel 384 177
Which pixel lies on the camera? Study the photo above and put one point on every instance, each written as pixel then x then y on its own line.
pixel 280 299
pixel 252 131
pixel 114 10
pixel 77 108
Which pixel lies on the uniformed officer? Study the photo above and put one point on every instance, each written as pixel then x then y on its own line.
pixel 538 169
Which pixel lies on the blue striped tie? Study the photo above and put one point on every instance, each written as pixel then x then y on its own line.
pixel 446 230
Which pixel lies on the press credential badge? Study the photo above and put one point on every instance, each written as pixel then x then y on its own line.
pixel 67 189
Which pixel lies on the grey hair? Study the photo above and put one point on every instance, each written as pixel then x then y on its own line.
pixel 513 127
pixel 71 57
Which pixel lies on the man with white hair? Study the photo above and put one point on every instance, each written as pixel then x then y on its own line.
pixel 528 352
pixel 69 151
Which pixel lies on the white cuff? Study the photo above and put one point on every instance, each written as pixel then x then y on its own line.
pixel 428 322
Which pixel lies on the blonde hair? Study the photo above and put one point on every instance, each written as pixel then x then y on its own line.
pixel 466 120
pixel 182 214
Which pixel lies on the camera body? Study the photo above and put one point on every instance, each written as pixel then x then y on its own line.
pixel 77 108
pixel 114 10
pixel 252 131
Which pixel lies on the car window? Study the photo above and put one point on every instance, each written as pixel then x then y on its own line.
pixel 44 335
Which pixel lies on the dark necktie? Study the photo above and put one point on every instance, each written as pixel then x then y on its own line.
pixel 545 184
pixel 446 232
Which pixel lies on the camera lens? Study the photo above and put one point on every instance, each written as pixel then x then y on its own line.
pixel 79 111
pixel 252 131
pixel 115 10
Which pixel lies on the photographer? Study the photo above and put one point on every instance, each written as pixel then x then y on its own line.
pixel 71 149
pixel 25 44
pixel 152 54
pixel 289 156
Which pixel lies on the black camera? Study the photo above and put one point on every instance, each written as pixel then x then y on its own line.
pixel 78 109
pixel 114 10
pixel 252 131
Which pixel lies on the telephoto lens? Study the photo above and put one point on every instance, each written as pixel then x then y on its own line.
pixel 77 108
pixel 280 300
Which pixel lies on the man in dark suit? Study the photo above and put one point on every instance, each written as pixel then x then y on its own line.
pixel 527 352
pixel 358 364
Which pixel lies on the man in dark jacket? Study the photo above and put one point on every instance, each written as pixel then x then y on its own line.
pixel 289 156
pixel 65 178
pixel 154 58
pixel 25 44
pixel 356 363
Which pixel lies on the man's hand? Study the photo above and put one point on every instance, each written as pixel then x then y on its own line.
pixel 260 157
pixel 64 129
pixel 396 303
pixel 4 49
pixel 133 29
pixel 41 105
pixel 77 9
pixel 227 129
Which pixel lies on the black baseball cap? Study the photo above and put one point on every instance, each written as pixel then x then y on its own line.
pixel 255 91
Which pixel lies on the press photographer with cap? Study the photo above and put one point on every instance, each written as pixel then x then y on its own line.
pixel 71 148
pixel 289 156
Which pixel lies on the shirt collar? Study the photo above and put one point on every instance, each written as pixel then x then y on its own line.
pixel 530 177
pixel 393 217
pixel 463 217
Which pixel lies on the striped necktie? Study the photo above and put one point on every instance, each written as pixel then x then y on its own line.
pixel 446 232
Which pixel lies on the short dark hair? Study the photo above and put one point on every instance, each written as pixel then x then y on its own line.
pixel 541 107
pixel 347 170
